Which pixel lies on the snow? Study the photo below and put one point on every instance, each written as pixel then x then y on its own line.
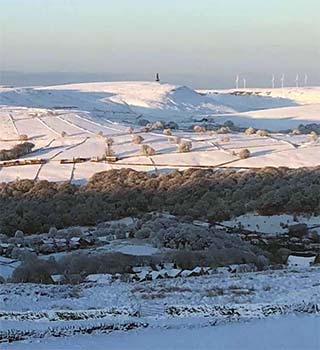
pixel 274 109
pixel 300 261
pixel 99 278
pixel 7 267
pixel 203 302
pixel 270 224
pixel 285 333
pixel 146 249
pixel 83 110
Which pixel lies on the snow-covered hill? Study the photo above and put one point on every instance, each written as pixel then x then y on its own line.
pixel 273 109
pixel 119 101
pixel 66 122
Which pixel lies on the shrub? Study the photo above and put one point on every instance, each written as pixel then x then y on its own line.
pixel 262 133
pixel 143 233
pixel 158 125
pixel 17 151
pixel 244 154
pixel 225 139
pixel 82 263
pixel 198 128
pixel 109 151
pixel 63 134
pixel 172 125
pixel 223 130
pixel 250 131
pixel 147 150
pixel 19 234
pixel 33 270
pixel 167 132
pixel 176 140
pixel 313 136
pixel 109 141
pixel 53 232
pixel 23 137
pixel 185 146
pixel 137 139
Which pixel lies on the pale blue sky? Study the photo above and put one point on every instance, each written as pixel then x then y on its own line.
pixel 197 41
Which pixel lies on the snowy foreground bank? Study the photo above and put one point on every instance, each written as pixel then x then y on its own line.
pixel 291 332
pixel 195 312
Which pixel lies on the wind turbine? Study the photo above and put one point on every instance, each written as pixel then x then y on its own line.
pixel 282 81
pixel 237 82
pixel 297 80
pixel 273 81
pixel 244 83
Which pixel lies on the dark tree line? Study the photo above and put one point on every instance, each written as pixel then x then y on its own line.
pixel 35 206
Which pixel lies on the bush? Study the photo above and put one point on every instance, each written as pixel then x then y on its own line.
pixel 53 232
pixel 23 137
pixel 198 128
pixel 244 154
pixel 176 140
pixel 223 130
pixel 84 264
pixel 296 132
pixel 262 133
pixel 143 233
pixel 250 131
pixel 19 234
pixel 225 139
pixel 17 151
pixel 109 141
pixel 313 136
pixel 137 139
pixel 33 270
pixel 109 151
pixel 172 125
pixel 147 150
pixel 185 146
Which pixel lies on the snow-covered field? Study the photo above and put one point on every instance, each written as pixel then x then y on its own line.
pixel 274 224
pixel 81 111
pixel 280 308
pixel 210 306
pixel 285 333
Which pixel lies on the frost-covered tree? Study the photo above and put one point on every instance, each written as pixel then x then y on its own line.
pixel 137 139
pixel 147 150
pixel 262 133
pixel 199 128
pixel 250 131
pixel 185 146
pixel 244 154
pixel 313 136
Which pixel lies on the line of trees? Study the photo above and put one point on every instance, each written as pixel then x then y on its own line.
pixel 35 206
pixel 16 152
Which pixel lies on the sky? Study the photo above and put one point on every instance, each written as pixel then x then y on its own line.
pixel 202 43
